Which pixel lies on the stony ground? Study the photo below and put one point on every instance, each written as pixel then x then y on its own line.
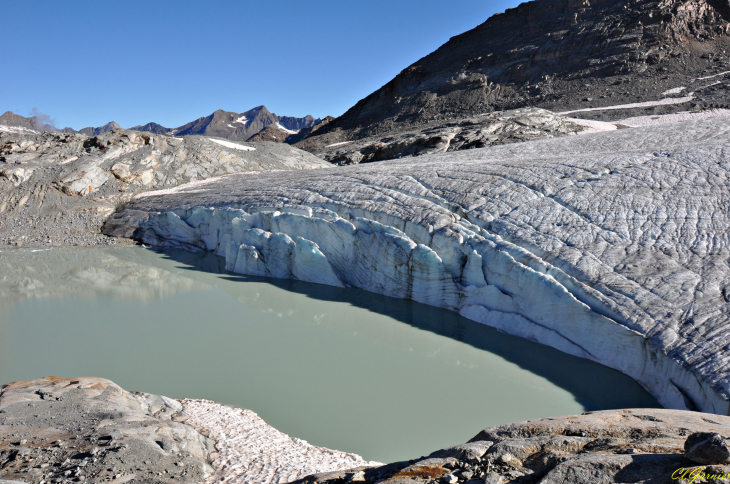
pixel 56 189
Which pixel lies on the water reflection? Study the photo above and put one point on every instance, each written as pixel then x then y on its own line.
pixel 334 366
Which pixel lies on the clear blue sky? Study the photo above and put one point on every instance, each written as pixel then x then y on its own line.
pixel 86 63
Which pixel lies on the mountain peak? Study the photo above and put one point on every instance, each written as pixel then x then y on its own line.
pixel 560 55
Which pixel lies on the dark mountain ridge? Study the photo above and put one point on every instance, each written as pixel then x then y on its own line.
pixel 554 54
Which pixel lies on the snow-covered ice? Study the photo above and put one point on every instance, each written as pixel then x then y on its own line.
pixel 17 130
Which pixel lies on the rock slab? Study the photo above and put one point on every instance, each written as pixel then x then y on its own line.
pixel 631 445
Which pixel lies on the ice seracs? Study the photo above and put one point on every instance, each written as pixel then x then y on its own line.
pixel 611 246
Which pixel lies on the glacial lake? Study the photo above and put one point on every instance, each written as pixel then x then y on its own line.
pixel 342 368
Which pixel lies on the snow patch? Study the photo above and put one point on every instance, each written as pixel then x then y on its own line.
pixel 290 131
pixel 241 120
pixel 592 126
pixel 674 90
pixel 646 104
pixel 235 146
pixel 338 144
pixel 264 454
pixel 710 77
pixel 17 130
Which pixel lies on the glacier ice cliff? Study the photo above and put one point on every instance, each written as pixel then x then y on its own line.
pixel 609 246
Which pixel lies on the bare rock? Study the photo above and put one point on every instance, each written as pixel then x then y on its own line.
pixel 548 451
pixel 707 448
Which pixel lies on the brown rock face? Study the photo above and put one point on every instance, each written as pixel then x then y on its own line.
pixel 270 133
pixel 554 54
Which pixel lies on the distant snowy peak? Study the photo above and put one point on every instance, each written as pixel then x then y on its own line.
pixel 17 124
pixel 236 126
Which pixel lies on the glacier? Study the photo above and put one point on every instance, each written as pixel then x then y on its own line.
pixel 612 246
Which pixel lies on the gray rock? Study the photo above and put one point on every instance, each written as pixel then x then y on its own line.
pixel 707 448
pixel 466 474
pixel 465 452
pixel 449 479
pixel 73 445
pixel 493 478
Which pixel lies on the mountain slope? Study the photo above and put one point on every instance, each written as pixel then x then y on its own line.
pixel 559 55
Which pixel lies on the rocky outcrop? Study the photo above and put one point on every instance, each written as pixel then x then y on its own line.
pixel 477 132
pixel 57 188
pixel 559 55
pixel 638 445
pixel 89 429
pixel 609 246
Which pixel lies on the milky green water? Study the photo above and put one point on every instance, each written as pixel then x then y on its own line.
pixel 342 368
